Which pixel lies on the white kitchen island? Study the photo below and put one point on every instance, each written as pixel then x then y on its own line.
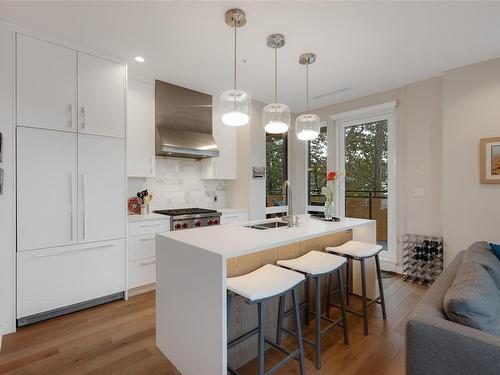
pixel 192 266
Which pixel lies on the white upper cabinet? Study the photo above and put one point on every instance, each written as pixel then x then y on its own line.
pixel 224 166
pixel 46 188
pixel 102 188
pixel 140 129
pixel 46 85
pixel 101 96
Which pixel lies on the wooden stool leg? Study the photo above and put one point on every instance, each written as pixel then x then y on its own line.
pixel 342 308
pixel 348 281
pixel 260 307
pixel 308 302
pixel 318 323
pixel 279 327
pixel 363 292
pixel 298 329
pixel 328 294
pixel 380 287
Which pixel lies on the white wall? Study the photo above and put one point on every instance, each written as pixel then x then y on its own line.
pixel 246 192
pixel 7 199
pixel 471 110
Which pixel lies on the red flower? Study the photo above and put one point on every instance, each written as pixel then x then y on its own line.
pixel 330 176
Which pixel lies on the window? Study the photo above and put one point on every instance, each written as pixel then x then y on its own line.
pixel 317 169
pixel 276 171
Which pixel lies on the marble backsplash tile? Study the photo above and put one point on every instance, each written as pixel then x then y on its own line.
pixel 178 184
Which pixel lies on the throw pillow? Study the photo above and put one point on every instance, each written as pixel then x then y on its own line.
pixel 473 299
pixel 496 249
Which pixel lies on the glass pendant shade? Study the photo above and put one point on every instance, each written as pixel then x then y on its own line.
pixel 276 118
pixel 307 127
pixel 235 107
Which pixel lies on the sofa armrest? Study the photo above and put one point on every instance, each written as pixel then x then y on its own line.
pixel 437 346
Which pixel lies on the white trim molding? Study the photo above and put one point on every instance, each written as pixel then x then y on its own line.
pixel 373 110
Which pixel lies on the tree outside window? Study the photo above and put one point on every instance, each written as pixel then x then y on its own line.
pixel 276 168
pixel 317 168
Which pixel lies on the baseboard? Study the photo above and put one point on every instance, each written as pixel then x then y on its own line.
pixel 141 289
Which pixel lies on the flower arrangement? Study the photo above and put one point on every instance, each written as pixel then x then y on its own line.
pixel 333 182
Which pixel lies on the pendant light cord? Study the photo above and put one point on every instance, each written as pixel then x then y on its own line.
pixel 275 74
pixel 307 86
pixel 235 27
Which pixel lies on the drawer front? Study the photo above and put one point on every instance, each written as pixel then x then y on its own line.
pixel 53 278
pixel 141 272
pixel 142 246
pixel 151 226
pixel 234 218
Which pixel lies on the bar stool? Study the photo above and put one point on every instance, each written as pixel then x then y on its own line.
pixel 258 287
pixel 360 251
pixel 315 265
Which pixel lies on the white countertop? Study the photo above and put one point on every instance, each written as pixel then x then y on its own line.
pixel 232 240
pixel 225 211
pixel 152 216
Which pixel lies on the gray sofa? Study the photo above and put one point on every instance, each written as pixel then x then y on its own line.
pixel 435 345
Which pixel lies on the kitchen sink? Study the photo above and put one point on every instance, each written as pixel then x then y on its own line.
pixel 267 225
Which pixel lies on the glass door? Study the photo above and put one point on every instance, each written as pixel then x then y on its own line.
pixel 367 157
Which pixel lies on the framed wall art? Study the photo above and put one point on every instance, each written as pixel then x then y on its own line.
pixel 490 160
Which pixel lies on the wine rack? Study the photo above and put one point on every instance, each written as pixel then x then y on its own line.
pixel 422 258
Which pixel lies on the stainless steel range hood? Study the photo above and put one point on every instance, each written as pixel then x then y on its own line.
pixel 183 122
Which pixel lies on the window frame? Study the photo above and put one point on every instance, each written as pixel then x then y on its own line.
pixel 278 209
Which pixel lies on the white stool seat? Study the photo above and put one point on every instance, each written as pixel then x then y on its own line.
pixel 265 282
pixel 314 263
pixel 356 249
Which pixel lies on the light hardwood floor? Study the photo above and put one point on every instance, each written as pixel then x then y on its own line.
pixel 118 338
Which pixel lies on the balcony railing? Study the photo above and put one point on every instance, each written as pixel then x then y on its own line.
pixel 363 204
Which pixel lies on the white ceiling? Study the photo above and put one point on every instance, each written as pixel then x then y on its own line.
pixel 365 46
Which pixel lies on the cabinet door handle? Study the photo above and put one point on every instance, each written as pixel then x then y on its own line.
pixel 150 225
pixel 152 165
pixel 71 205
pixel 73 251
pixel 70 109
pixel 83 117
pixel 232 217
pixel 148 239
pixel 83 206
pixel 148 263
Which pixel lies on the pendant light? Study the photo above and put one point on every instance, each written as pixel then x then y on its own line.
pixel 235 105
pixel 276 116
pixel 307 126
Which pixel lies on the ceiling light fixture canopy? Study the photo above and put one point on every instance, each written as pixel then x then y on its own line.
pixel 307 126
pixel 235 105
pixel 276 116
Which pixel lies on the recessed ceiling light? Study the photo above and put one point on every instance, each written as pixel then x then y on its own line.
pixel 139 59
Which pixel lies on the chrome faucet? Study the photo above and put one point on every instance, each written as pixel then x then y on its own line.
pixel 287 194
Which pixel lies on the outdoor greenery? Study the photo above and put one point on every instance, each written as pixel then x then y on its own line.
pixel 276 167
pixel 366 157
pixel 317 168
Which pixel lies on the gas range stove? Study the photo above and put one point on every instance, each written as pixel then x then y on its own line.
pixel 186 218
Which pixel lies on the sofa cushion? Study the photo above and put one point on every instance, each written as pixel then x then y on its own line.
pixel 473 299
pixel 480 252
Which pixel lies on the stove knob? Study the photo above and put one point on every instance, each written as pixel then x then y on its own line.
pixel 184 225
pixel 178 226
pixel 197 224
pixel 216 221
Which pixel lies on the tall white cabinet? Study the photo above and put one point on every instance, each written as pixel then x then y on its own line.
pixel 140 129
pixel 71 173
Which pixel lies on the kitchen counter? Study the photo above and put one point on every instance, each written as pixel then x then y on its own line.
pixel 237 239
pixel 227 211
pixel 152 216
pixel 192 267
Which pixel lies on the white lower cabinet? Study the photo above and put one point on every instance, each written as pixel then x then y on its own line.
pixel 238 217
pixel 142 252
pixel 52 278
